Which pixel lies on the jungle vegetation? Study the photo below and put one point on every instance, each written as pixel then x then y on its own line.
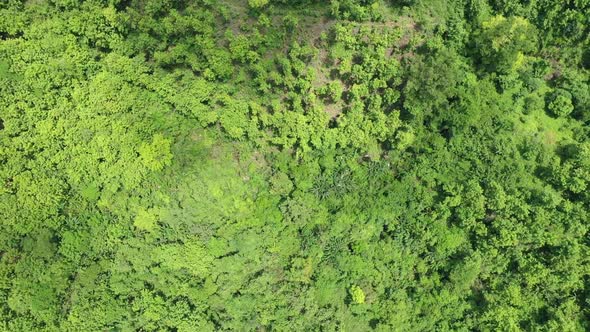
pixel 294 165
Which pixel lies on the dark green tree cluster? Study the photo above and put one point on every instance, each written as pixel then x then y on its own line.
pixel 278 165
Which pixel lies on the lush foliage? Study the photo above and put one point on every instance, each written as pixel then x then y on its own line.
pixel 294 165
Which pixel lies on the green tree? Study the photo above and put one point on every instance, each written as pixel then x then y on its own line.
pixel 503 43
pixel 560 103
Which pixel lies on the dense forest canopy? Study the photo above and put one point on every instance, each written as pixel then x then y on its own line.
pixel 294 165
